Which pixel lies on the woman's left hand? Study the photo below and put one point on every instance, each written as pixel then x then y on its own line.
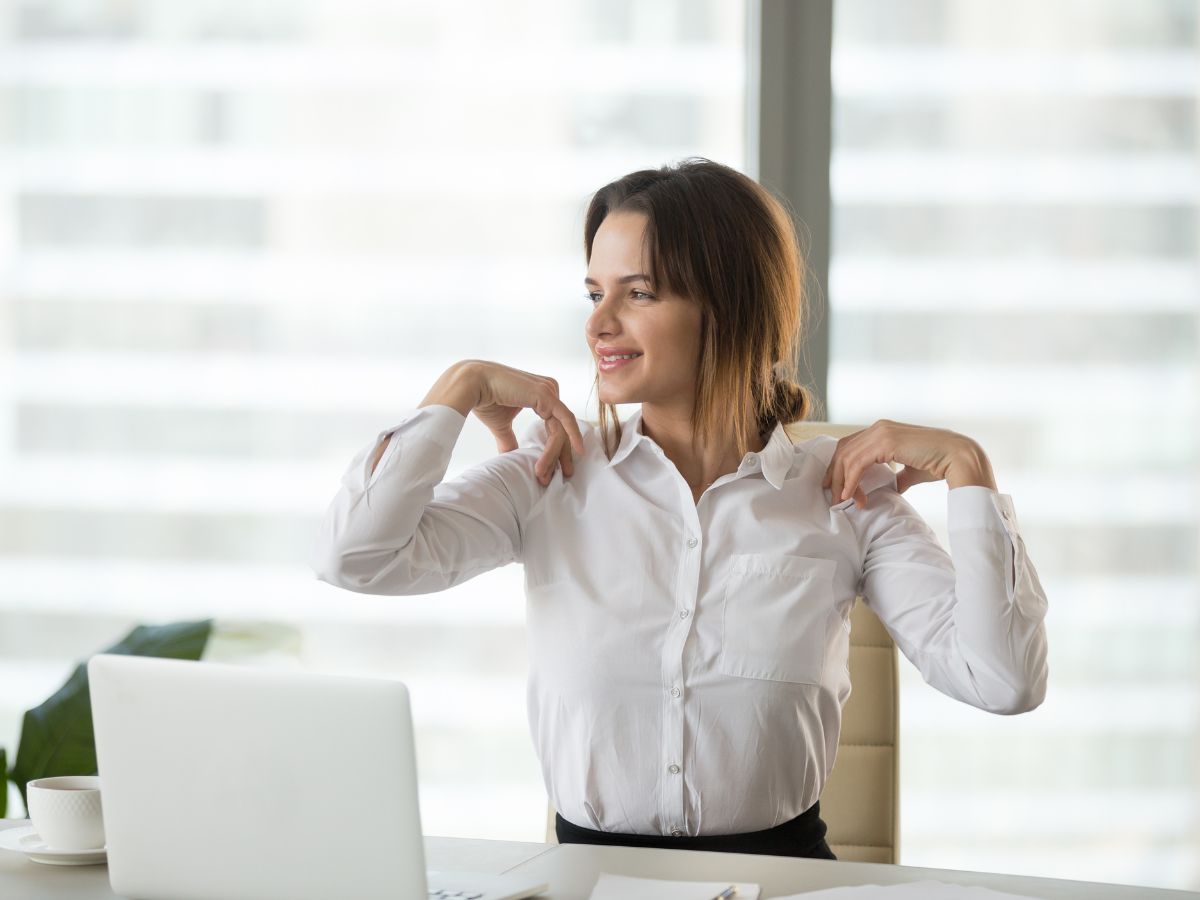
pixel 928 454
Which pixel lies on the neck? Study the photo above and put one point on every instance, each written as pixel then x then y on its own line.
pixel 672 430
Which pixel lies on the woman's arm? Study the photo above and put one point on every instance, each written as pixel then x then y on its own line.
pixel 458 387
pixel 395 527
pixel 973 624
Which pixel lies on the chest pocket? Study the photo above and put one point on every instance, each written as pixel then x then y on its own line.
pixel 776 612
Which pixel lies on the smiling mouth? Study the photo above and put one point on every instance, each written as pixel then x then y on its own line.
pixel 606 366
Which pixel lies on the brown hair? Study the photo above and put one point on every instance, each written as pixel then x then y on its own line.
pixel 721 239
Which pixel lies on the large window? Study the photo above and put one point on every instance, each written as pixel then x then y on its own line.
pixel 1014 256
pixel 235 240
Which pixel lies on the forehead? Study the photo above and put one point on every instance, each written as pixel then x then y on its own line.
pixel 621 230
pixel 620 243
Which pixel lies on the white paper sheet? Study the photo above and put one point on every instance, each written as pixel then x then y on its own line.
pixel 913 890
pixel 622 887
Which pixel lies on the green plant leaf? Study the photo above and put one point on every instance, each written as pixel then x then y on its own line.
pixel 57 737
pixel 3 782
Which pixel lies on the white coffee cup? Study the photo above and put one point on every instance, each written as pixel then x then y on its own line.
pixel 66 812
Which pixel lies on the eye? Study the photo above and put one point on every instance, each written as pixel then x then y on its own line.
pixel 594 294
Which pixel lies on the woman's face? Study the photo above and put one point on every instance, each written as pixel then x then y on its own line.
pixel 630 316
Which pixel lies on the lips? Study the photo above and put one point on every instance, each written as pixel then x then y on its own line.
pixel 616 364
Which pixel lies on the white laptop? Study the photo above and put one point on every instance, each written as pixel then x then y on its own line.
pixel 221 782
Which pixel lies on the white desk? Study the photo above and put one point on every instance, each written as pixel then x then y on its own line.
pixel 572 869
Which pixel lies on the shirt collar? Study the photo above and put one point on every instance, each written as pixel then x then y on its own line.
pixel 775 457
pixel 631 435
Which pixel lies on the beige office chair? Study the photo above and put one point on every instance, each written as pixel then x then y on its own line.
pixel 861 800
pixel 860 803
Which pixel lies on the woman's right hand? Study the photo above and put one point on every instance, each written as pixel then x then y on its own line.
pixel 504 392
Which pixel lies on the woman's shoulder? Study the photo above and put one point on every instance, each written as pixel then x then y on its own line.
pixel 821 447
pixel 536 433
pixel 806 442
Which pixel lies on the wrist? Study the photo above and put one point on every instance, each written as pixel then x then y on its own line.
pixel 457 387
pixel 971 467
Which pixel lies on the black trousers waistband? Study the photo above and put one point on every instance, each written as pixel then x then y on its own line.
pixel 802 836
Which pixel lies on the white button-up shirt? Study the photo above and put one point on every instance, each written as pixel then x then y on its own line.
pixel 688 660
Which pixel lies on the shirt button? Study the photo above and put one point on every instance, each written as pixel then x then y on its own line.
pixel 683 614
pixel 674 692
pixel 751 458
pixel 692 542
pixel 673 769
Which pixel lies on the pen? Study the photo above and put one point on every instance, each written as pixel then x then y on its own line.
pixel 728 892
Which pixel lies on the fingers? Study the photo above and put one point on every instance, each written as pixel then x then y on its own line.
pixel 572 425
pixel 563 434
pixel 560 411
pixel 556 452
pixel 833 478
pixel 843 488
pixel 842 478
pixel 544 469
pixel 506 440
pixel 565 460
pixel 850 478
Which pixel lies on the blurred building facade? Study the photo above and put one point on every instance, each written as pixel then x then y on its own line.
pixel 236 240
pixel 1014 257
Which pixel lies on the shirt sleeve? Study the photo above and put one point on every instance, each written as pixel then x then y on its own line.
pixel 403 530
pixel 972 623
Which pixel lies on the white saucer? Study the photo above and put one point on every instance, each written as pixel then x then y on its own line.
pixel 26 840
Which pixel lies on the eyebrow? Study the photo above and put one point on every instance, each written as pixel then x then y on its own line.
pixel 624 279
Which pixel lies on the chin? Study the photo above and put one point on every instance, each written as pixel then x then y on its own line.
pixel 614 397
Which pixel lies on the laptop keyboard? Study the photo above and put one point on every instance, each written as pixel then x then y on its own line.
pixel 441 894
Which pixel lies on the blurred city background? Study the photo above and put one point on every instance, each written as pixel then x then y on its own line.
pixel 239 239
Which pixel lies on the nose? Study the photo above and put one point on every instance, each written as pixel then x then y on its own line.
pixel 601 323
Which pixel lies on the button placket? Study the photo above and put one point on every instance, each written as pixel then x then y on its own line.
pixel 686 591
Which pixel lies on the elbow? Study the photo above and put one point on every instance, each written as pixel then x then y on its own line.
pixel 385 573
pixel 329 569
pixel 334 571
pixel 1023 701
pixel 332 562
pixel 1026 683
pixel 332 568
pixel 324 559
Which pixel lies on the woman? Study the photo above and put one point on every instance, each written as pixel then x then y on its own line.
pixel 690 575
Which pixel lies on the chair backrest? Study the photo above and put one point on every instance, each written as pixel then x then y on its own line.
pixel 860 803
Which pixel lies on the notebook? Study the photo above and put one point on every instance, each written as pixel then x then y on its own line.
pixel 222 781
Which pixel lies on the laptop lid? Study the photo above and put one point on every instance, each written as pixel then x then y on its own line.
pixel 221 781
